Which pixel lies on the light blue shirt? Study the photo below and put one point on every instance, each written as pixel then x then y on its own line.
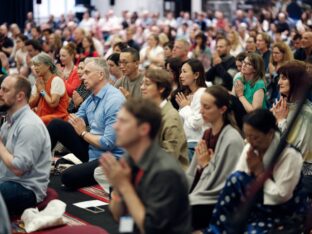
pixel 99 112
pixel 26 137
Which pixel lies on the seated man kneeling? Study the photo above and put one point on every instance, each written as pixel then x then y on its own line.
pixel 99 112
pixel 25 157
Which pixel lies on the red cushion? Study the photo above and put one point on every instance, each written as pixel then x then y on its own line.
pixel 51 195
pixel 73 230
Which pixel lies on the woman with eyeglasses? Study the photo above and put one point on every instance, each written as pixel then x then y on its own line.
pixel 250 87
pixel 49 97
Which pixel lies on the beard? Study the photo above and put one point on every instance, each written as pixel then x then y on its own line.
pixel 5 107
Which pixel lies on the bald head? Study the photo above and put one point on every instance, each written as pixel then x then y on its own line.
pixel 180 49
pixel 306 40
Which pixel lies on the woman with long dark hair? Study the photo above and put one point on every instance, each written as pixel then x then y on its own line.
pixel 193 81
pixel 215 155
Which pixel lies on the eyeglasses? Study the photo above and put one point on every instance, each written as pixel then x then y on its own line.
pixel 125 62
pixel 247 63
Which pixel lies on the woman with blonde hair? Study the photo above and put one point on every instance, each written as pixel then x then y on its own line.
pixel 236 46
pixel 152 53
pixel 49 97
pixel 70 75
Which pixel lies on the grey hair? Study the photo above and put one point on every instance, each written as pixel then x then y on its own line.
pixel 185 43
pixel 101 64
pixel 46 59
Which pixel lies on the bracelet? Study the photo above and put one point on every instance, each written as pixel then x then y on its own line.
pixel 43 92
pixel 83 133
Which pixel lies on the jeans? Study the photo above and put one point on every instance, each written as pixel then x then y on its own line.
pixel 16 197
pixel 191 149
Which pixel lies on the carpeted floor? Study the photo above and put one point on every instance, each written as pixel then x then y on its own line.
pixel 103 220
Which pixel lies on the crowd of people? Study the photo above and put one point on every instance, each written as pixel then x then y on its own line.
pixel 176 118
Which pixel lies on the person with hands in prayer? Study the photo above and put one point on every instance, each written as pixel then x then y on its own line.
pixel 142 194
pixel 49 97
pixel 98 111
pixel 280 197
pixel 192 78
pixel 216 155
pixel 294 79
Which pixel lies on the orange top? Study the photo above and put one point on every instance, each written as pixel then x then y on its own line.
pixel 48 113
pixel 72 81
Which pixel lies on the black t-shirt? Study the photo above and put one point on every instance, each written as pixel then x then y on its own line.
pixel 6 43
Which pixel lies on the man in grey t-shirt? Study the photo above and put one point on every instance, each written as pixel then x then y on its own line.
pixel 25 148
pixel 130 84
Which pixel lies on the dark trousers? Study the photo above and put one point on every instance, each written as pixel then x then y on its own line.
pixel 201 215
pixel 79 175
pixel 64 132
pixel 16 197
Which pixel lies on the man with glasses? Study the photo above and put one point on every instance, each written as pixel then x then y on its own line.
pixel 98 111
pixel 129 85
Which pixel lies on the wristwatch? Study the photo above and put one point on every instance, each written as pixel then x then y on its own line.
pixel 42 92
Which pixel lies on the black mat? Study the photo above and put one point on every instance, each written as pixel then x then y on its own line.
pixel 103 220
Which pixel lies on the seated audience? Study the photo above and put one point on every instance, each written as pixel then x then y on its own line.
pixel 305 52
pixel 263 43
pixel 49 97
pixel 250 88
pixel 215 155
pixel 130 83
pixel 25 148
pixel 119 46
pixel 168 47
pixel 156 86
pixel 70 75
pixel 149 186
pixel 173 66
pixel 293 81
pixel 201 51
pixel 223 65
pixel 279 198
pixel 88 48
pixel 180 49
pixel 152 53
pixel 281 54
pixel 99 112
pixel 80 94
pixel 114 70
pixel 192 78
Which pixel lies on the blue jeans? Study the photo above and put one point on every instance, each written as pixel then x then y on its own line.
pixel 16 197
pixel 191 149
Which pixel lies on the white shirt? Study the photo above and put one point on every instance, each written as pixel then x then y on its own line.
pixel 286 173
pixel 193 123
pixel 57 87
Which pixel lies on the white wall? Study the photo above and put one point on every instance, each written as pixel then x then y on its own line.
pixel 130 5
pixel 196 5
pixel 52 7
